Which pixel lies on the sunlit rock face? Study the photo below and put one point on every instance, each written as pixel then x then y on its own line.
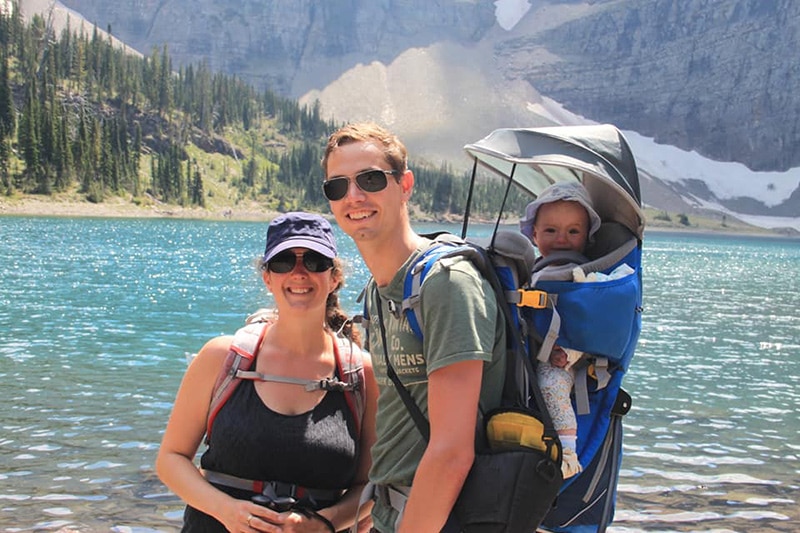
pixel 716 77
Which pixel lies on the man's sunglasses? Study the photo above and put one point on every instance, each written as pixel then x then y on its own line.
pixel 368 181
pixel 284 262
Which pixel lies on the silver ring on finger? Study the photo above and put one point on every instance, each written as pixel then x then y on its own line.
pixel 249 517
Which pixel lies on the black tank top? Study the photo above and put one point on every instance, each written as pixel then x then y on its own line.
pixel 317 449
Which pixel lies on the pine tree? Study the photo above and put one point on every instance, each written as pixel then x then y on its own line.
pixel 198 196
pixel 7 113
pixel 136 151
pixel 164 98
pixel 7 119
pixel 64 171
pixel 29 137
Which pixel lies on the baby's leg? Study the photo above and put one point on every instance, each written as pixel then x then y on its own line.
pixel 556 386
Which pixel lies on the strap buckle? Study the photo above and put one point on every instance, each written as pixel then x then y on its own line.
pixel 329 384
pixel 279 504
pixel 535 299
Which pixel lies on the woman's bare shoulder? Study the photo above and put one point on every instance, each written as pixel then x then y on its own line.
pixel 213 353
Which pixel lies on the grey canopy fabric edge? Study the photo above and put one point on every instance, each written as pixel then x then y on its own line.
pixel 598 156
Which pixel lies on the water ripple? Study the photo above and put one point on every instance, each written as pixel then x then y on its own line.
pixel 97 319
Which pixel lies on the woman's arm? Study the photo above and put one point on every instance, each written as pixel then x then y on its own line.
pixel 185 430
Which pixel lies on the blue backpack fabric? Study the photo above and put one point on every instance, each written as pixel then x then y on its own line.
pixel 603 320
pixel 511 255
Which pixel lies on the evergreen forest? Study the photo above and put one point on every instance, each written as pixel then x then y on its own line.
pixel 78 113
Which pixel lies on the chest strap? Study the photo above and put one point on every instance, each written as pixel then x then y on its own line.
pixel 326 384
pixel 273 489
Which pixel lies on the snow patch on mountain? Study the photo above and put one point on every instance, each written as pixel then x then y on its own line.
pixel 509 12
pixel 726 180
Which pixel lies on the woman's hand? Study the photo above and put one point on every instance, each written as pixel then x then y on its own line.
pixel 244 516
pixel 288 522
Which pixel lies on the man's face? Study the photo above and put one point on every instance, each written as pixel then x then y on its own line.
pixel 561 226
pixel 367 216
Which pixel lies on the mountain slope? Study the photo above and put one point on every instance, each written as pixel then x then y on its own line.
pixel 707 77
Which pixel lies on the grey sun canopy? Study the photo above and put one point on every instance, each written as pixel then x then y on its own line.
pixel 598 156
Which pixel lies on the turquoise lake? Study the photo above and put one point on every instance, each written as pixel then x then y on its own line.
pixel 97 317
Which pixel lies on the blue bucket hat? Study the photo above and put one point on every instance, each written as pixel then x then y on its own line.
pixel 299 230
pixel 568 191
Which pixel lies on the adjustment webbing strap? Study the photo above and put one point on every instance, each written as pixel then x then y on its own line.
pixel 551 336
pixel 327 384
pixel 272 488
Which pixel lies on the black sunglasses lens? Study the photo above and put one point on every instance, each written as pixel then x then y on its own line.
pixel 336 188
pixel 315 262
pixel 282 263
pixel 371 180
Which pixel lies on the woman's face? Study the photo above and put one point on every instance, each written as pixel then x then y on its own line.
pixel 300 278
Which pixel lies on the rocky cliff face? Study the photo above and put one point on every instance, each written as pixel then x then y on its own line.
pixel 273 42
pixel 715 76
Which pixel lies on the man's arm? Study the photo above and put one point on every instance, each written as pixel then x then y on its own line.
pixel 453 393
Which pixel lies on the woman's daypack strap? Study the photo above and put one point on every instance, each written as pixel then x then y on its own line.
pixel 273 488
pixel 327 384
pixel 350 366
pixel 241 357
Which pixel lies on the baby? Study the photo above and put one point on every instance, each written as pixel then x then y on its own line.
pixel 561 219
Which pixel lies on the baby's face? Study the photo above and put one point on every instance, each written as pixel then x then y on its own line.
pixel 561 226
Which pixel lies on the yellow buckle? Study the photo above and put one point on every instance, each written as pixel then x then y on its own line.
pixel 534 299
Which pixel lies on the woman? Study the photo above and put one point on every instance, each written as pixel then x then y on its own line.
pixel 304 444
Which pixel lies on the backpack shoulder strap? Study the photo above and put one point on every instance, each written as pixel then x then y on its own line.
pixel 241 356
pixel 511 249
pixel 350 366
pixel 445 245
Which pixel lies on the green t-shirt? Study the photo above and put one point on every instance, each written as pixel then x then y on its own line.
pixel 460 322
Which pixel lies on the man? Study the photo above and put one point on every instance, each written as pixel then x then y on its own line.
pixel 460 361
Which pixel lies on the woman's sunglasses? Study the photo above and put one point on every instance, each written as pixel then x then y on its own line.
pixel 284 262
pixel 368 181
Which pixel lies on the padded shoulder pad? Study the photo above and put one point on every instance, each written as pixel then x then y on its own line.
pixel 515 247
pixel 608 238
pixel 559 258
pixel 557 266
pixel 248 338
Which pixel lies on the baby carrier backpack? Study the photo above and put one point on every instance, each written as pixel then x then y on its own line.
pixel 601 318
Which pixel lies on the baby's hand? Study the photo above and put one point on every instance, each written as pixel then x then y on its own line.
pixel 558 357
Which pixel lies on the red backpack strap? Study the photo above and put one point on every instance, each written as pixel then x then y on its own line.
pixel 350 366
pixel 241 356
